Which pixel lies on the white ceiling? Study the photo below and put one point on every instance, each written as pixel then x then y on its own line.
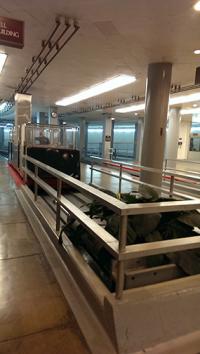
pixel 115 37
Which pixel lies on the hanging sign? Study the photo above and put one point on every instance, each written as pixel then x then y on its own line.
pixel 11 32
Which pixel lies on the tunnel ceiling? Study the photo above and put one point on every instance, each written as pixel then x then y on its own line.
pixel 115 37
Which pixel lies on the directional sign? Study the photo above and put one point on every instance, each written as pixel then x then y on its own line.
pixel 11 32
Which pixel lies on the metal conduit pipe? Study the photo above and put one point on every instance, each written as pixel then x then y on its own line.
pixel 43 60
pixel 44 45
pixel 76 28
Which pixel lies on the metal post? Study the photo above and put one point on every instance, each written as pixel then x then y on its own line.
pixel 120 180
pixel 25 165
pixel 35 184
pixel 165 164
pixel 120 265
pixel 59 191
pixel 171 190
pixel 91 175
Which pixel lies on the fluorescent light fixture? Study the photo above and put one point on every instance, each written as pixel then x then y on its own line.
pixel 197 51
pixel 106 86
pixel 134 108
pixel 197 6
pixel 172 102
pixel 3 58
pixel 184 99
pixel 195 105
pixel 184 112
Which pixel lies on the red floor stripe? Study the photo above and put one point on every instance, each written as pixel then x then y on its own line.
pixel 15 176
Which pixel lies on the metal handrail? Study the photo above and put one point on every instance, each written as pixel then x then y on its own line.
pixel 118 249
pixel 136 181
pixel 173 174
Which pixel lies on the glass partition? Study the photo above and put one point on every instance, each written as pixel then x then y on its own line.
pixel 55 136
pixel 94 139
pixel 124 140
pixel 5 137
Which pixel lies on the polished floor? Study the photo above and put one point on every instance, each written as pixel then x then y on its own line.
pixel 34 315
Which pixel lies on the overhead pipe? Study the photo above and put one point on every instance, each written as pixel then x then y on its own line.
pixel 76 28
pixel 44 46
pixel 43 60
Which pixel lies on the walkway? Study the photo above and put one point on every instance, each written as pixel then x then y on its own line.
pixel 34 315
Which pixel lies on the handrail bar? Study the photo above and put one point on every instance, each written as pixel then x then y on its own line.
pixel 119 249
pixel 114 204
pixel 160 247
pixel 184 161
pixel 110 243
pixel 133 180
pixel 111 202
pixel 149 169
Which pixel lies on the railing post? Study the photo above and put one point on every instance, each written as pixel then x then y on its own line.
pixel 165 164
pixel 25 165
pixel 35 184
pixel 120 180
pixel 120 265
pixel 171 190
pixel 91 174
pixel 59 191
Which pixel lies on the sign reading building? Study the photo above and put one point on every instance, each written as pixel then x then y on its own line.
pixel 11 32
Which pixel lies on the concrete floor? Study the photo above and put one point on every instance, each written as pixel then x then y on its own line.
pixel 34 315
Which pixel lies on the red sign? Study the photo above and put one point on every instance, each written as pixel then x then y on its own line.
pixel 11 32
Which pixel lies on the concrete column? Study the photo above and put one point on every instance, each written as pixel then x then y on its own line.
pixel 23 108
pixel 107 138
pixel 184 134
pixel 172 137
pixel 156 110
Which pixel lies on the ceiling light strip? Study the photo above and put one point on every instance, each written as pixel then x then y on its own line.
pixel 172 102
pixel 106 86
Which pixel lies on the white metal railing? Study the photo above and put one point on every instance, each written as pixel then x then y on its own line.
pixel 117 248
pixel 188 178
pixel 181 161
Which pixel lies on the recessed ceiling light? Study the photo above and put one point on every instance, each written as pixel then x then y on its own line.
pixel 197 51
pixel 136 114
pixel 103 87
pixel 197 6
pixel 3 58
pixel 195 105
pixel 112 118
